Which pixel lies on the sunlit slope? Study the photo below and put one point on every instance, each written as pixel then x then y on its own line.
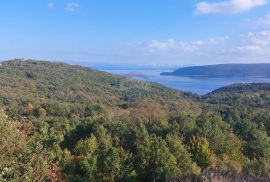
pixel 255 95
pixel 40 82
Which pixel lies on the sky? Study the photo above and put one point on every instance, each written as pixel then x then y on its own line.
pixel 136 32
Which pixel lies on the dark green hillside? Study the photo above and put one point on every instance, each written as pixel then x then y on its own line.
pixel 254 95
pixel 223 70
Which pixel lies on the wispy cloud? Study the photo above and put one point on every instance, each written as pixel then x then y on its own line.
pixel 264 22
pixel 255 44
pixel 249 47
pixel 228 6
pixel 50 5
pixel 183 46
pixel 72 7
pixel 153 45
pixel 175 51
pixel 258 38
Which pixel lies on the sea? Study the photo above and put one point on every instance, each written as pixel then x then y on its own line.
pixel 198 85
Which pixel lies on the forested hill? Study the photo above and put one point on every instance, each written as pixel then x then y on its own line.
pixel 255 95
pixel 46 83
pixel 223 70
pixel 68 123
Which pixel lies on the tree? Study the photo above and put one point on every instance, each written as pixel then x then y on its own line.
pixel 40 112
pixel 183 158
pixel 226 146
pixel 162 164
pixel 200 151
pixel 153 159
pixel 93 109
pixel 86 146
pixel 141 150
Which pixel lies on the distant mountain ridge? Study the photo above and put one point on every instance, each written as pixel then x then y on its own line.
pixel 224 70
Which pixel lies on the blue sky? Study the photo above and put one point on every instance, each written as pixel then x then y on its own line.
pixel 149 32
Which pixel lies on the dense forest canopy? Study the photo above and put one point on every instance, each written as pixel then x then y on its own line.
pixel 61 122
pixel 253 95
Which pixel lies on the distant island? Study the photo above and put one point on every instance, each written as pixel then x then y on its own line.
pixel 223 70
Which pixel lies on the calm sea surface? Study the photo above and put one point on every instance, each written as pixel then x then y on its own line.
pixel 200 86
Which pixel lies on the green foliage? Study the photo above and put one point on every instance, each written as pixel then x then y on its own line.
pixel 21 157
pixel 183 157
pixel 255 95
pixel 69 123
pixel 201 152
pixel 40 112
pixel 162 163
pixel 92 110
pixel 87 146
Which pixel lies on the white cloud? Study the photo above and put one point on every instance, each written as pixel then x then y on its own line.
pixel 154 46
pixel 183 52
pixel 72 7
pixel 51 5
pixel 210 41
pixel 258 41
pixel 159 45
pixel 250 49
pixel 174 51
pixel 258 38
pixel 178 52
pixel 228 6
pixel 255 43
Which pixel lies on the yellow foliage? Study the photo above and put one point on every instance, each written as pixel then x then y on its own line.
pixel 12 140
pixel 29 107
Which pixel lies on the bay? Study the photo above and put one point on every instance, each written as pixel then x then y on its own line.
pixel 198 85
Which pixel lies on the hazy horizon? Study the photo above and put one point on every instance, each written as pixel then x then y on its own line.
pixel 115 66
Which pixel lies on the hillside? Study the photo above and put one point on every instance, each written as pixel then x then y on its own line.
pixel 68 123
pixel 44 83
pixel 254 95
pixel 223 70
